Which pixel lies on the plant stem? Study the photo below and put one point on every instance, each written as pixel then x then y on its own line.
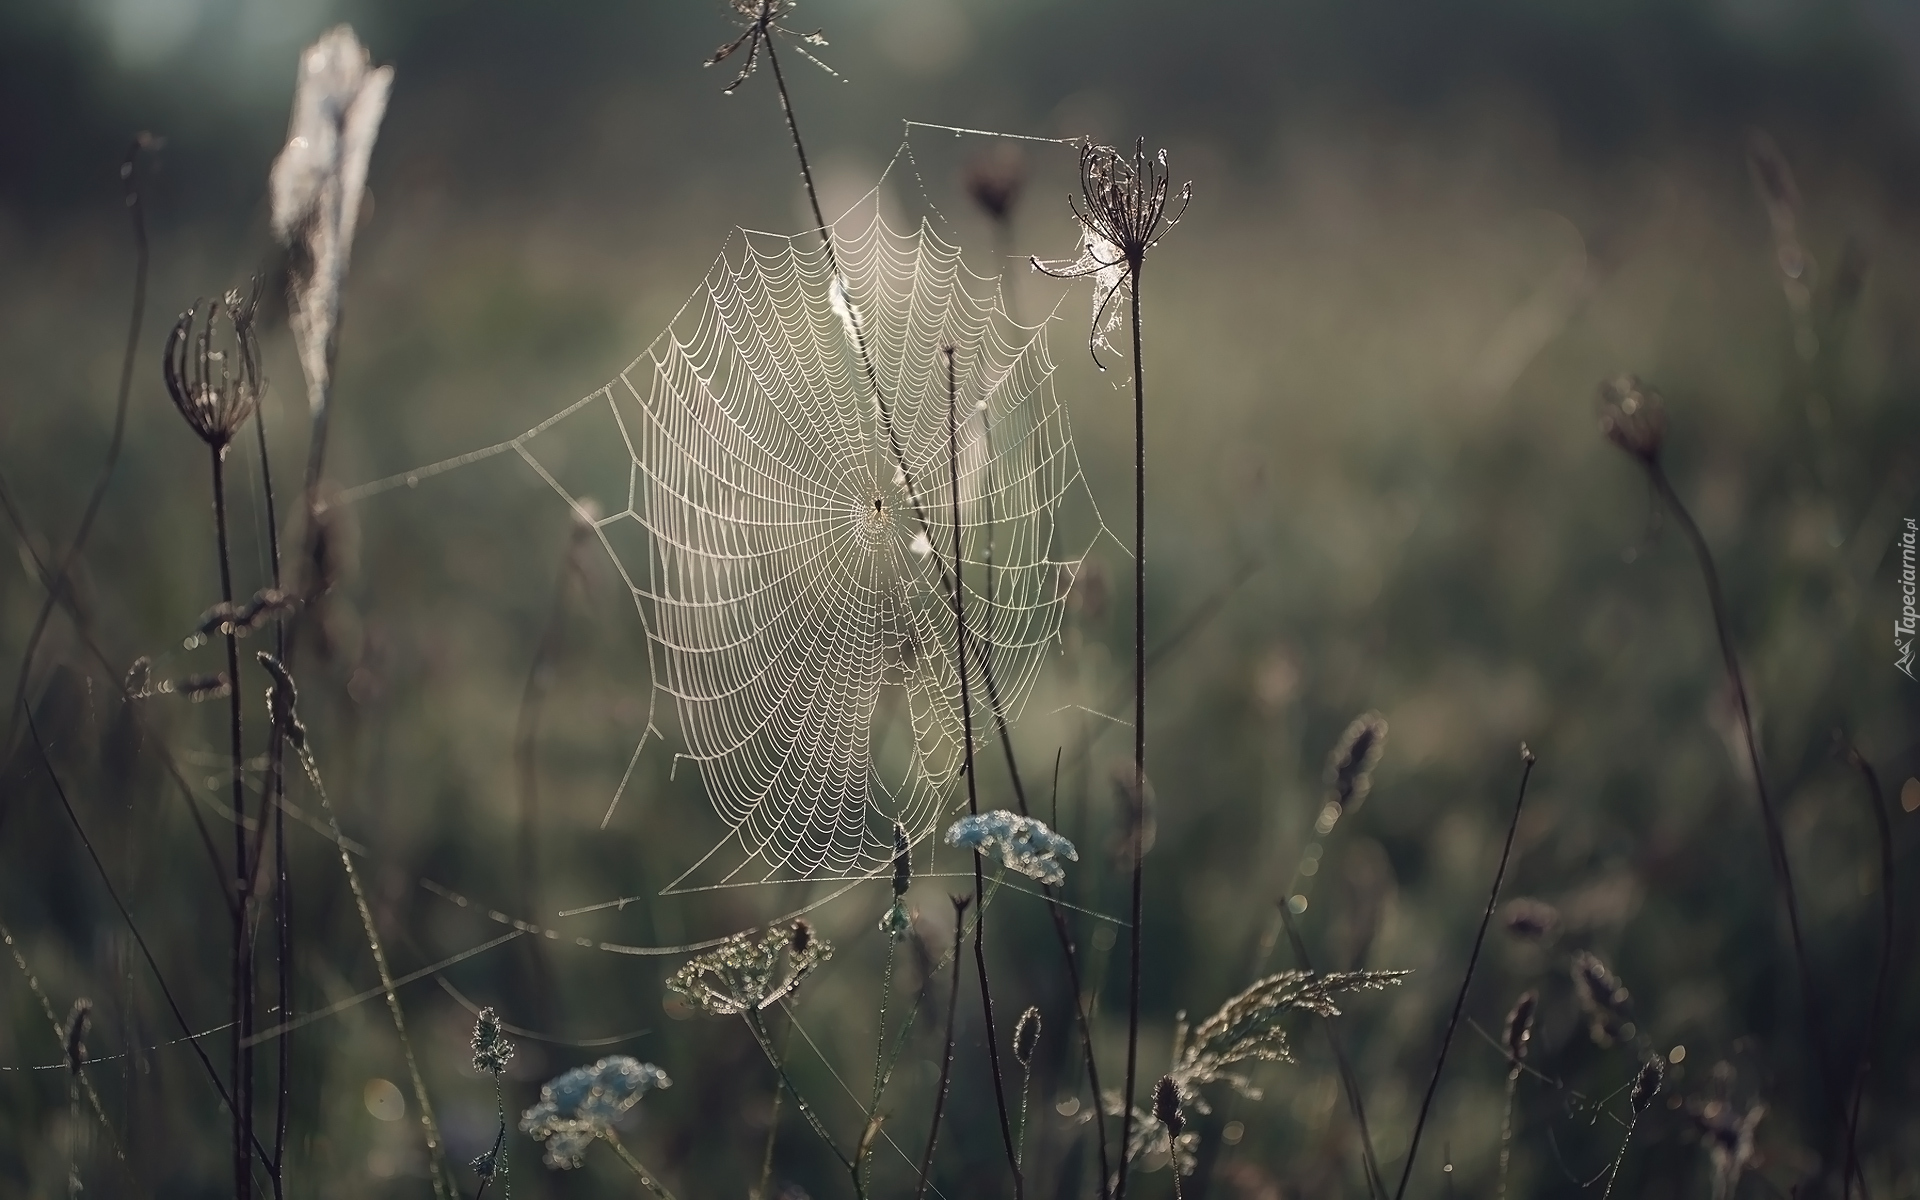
pixel 1459 1001
pixel 1370 1165
pixel 773 1123
pixel 752 1017
pixel 973 798
pixel 240 995
pixel 1872 780
pixel 1139 835
pixel 880 1074
pixel 946 1058
pixel 277 788
pixel 56 587
pixel 647 1179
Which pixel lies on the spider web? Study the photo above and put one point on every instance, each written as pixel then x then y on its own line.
pixel 786 530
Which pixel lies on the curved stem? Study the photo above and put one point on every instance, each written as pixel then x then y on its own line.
pixel 1466 981
pixel 946 1058
pixel 647 1179
pixel 973 797
pixel 1872 779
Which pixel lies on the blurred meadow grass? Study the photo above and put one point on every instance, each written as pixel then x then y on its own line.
pixel 1378 482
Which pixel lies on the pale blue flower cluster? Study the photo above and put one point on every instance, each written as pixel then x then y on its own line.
pixel 582 1104
pixel 1019 843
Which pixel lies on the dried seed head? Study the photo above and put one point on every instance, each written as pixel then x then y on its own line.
pixel 762 20
pixel 1633 418
pixel 1602 996
pixel 76 1039
pixel 1122 212
pixel 491 1049
pixel 1026 1035
pixel 213 375
pixel 1166 1106
pixel 1350 764
pixel 1520 1026
pixel 1646 1085
pixel 1534 920
pixel 801 938
pixel 902 860
pixel 283 701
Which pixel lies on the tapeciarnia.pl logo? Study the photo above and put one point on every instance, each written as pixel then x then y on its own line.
pixel 1905 624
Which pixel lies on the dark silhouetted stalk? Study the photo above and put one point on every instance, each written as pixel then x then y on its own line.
pixel 1871 779
pixel 1466 981
pixel 960 904
pixel 56 587
pixel 1376 1185
pixel 240 998
pixel 1139 838
pixel 973 799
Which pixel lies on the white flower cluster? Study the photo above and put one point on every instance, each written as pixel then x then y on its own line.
pixel 1019 843
pixel 582 1104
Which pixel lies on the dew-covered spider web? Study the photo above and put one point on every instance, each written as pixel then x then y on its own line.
pixel 779 503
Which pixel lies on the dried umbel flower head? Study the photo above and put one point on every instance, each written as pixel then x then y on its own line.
pixel 213 374
pixel 1530 919
pixel 1026 1036
pixel 1022 844
pixel 1519 1027
pixel 491 1049
pixel 1646 1085
pixel 1633 418
pixel 1166 1105
pixel 1351 762
pixel 761 20
pixel 994 181
pixel 317 184
pixel 581 1105
pixel 1602 997
pixel 1122 211
pixel 743 973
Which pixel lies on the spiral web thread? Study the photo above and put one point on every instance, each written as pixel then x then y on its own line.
pixel 788 470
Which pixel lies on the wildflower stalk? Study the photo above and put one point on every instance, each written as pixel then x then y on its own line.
pixel 1871 779
pixel 240 996
pixel 759 1028
pixel 946 1055
pixel 57 585
pixel 1459 1001
pixel 430 1129
pixel 973 798
pixel 880 1074
pixel 647 1179
pixel 189 1034
pixel 1139 714
pixel 277 789
pixel 773 1122
pixel 1370 1165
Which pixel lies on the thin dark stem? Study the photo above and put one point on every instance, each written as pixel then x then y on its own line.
pixel 1878 803
pixel 1466 981
pixel 56 585
pixel 1139 720
pixel 754 1023
pixel 1376 1185
pixel 1769 817
pixel 277 783
pixel 773 1123
pixel 973 798
pixel 185 789
pixel 100 868
pixel 239 1000
pixel 946 1058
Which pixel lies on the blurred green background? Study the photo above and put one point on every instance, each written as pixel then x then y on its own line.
pixel 1422 233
